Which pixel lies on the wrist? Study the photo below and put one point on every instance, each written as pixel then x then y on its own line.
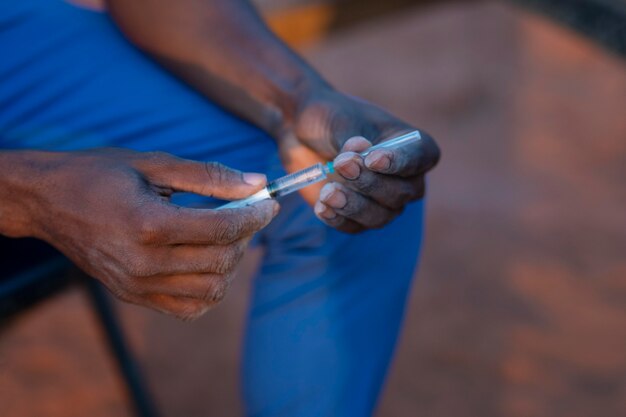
pixel 22 183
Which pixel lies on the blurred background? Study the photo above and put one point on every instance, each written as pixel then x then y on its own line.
pixel 519 308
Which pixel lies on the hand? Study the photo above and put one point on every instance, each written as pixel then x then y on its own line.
pixel 108 210
pixel 371 192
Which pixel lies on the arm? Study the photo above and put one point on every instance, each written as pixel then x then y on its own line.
pixel 224 50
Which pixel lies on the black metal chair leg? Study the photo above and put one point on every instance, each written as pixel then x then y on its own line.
pixel 142 403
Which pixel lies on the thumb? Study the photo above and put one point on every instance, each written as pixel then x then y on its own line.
pixel 230 184
pixel 210 179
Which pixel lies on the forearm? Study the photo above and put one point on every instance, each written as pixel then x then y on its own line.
pixel 223 49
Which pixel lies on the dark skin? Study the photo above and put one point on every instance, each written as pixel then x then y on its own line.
pixel 108 210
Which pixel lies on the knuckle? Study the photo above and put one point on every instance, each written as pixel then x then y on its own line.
pixel 399 197
pixel 371 218
pixel 356 206
pixel 148 231
pixel 216 289
pixel 156 158
pixel 229 259
pixel 397 201
pixel 221 287
pixel 405 194
pixel 183 308
pixel 216 171
pixel 228 230
pixel 137 267
pixel 221 266
pixel 207 293
pixel 235 255
pixel 378 217
pixel 366 185
pixel 348 211
pixel 336 222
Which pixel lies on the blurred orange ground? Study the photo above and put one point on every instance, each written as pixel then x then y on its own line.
pixel 520 305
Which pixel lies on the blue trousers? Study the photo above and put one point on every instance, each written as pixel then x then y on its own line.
pixel 326 307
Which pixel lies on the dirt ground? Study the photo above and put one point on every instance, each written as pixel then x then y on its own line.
pixel 519 308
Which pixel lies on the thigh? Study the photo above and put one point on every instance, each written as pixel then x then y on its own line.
pixel 71 81
pixel 325 315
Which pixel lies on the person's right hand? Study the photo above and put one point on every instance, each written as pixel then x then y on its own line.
pixel 108 210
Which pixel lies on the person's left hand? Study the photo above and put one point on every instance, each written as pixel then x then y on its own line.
pixel 372 191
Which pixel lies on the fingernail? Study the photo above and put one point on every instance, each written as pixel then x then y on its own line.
pixel 347 167
pixel 378 161
pixel 333 196
pixel 325 191
pixel 254 179
pixel 324 212
pixel 356 144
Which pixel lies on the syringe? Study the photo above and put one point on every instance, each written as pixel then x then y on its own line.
pixel 318 172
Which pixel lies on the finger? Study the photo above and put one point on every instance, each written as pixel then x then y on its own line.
pixel 328 216
pixel 168 224
pixel 195 259
pixel 349 165
pixel 388 190
pixel 186 309
pixel 419 185
pixel 355 206
pixel 210 179
pixel 345 163
pixel 405 161
pixel 356 144
pixel 206 287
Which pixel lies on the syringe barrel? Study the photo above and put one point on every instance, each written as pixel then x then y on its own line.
pixel 398 142
pixel 298 180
